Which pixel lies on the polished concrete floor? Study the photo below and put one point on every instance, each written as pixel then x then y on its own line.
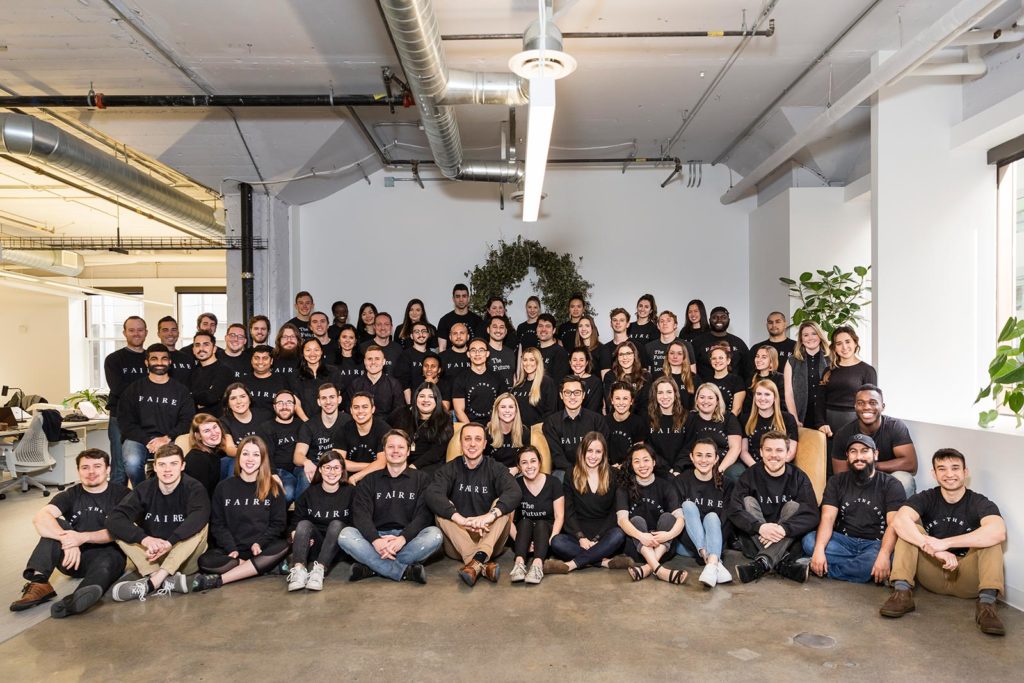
pixel 595 625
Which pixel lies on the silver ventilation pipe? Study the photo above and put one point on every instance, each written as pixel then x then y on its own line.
pixel 22 135
pixel 57 262
pixel 436 88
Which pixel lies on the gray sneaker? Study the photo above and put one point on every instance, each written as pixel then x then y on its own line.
pixel 535 574
pixel 176 582
pixel 130 590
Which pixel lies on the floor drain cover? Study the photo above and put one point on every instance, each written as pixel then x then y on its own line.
pixel 814 640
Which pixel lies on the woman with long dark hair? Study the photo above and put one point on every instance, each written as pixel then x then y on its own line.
pixel 539 518
pixel 678 366
pixel 581 365
pixel 364 327
pixel 665 420
pixel 415 312
pixel 696 321
pixel 429 426
pixel 626 367
pixel 311 374
pixel 704 492
pixel 843 380
pixel 321 512
pixel 645 328
pixel 588 338
pixel 239 419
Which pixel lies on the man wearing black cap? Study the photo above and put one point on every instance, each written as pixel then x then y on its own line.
pixel 742 362
pixel 855 537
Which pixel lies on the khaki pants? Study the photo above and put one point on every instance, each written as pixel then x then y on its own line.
pixel 182 556
pixel 460 544
pixel 980 569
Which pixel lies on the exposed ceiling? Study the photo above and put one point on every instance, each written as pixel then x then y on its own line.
pixel 627 97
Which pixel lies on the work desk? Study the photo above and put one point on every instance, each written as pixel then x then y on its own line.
pixel 91 434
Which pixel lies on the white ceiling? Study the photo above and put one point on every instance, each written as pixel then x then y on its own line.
pixel 624 93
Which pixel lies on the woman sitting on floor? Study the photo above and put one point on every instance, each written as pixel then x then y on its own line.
pixel 539 517
pixel 321 512
pixel 704 493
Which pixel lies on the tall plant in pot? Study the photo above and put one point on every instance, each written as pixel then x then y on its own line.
pixel 830 297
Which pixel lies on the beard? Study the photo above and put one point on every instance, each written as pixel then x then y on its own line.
pixel 863 476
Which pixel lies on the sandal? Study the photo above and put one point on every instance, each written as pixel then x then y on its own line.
pixel 638 573
pixel 675 576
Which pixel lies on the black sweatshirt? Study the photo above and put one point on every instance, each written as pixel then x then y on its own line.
pixel 208 383
pixel 146 511
pixel 588 514
pixel 240 519
pixel 384 503
pixel 121 368
pixel 262 390
pixel 204 467
pixel 564 435
pixel 321 508
pixel 182 362
pixel 471 492
pixel 772 493
pixel 147 410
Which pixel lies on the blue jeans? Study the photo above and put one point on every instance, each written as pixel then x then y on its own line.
pixel 227 467
pixel 418 549
pixel 135 456
pixel 567 547
pixel 117 471
pixel 706 533
pixel 288 481
pixel 301 481
pixel 849 559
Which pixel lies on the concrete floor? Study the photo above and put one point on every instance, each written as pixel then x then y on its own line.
pixel 595 625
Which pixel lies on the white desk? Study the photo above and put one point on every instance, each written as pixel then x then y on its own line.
pixel 91 434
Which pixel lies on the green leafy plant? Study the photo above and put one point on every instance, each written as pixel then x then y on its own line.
pixel 1006 374
pixel 834 298
pixel 94 397
pixel 509 263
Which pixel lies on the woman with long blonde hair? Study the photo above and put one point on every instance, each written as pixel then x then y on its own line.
pixel 534 390
pixel 506 433
pixel 766 416
pixel 711 419
pixel 803 373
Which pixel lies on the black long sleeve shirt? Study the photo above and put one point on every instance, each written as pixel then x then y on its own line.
pixel 383 502
pixel 564 434
pixel 207 383
pixel 147 410
pixel 472 492
pixel 239 518
pixel 121 368
pixel 772 493
pixel 321 508
pixel 147 511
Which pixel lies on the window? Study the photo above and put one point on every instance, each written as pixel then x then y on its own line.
pixel 104 321
pixel 1010 265
pixel 193 303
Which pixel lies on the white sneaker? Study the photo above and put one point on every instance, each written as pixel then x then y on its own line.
pixel 723 574
pixel 297 578
pixel 518 573
pixel 131 590
pixel 316 578
pixel 709 577
pixel 535 574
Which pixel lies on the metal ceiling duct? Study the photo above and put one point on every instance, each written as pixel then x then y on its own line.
pixel 44 142
pixel 436 88
pixel 58 262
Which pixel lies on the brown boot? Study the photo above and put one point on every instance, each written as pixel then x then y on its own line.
pixel 898 604
pixel 471 572
pixel 988 621
pixel 491 572
pixel 32 594
pixel 554 566
pixel 621 562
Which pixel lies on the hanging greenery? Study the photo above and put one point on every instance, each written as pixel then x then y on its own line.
pixel 837 298
pixel 508 264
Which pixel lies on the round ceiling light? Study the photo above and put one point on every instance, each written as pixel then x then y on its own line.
pixel 556 64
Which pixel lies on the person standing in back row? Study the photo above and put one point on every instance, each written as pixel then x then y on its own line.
pixel 120 369
pixel 742 362
pixel 460 314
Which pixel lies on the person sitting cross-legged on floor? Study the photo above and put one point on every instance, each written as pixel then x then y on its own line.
pixel 772 506
pixel 74 540
pixel 161 526
pixel 855 537
pixel 950 542
pixel 391 533
pixel 321 512
pixel 473 497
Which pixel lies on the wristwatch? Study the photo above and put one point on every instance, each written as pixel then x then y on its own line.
pixel 496 512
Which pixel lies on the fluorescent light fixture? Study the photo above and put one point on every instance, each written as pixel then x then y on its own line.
pixel 41 284
pixel 538 140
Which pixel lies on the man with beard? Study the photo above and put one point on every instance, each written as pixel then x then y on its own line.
pixel 556 358
pixel 742 361
pixel 182 360
pixel 855 537
pixel 409 368
pixel 210 377
pixel 896 453
pixel 263 383
pixel 459 314
pixel 259 329
pixel 455 358
pixel 777 338
pixel 237 357
pixel 502 356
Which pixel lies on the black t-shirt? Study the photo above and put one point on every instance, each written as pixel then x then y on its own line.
pixel 470 319
pixel 943 520
pixel 262 390
pixel 527 333
pixel 730 385
pixel 240 365
pixel 655 352
pixel 182 362
pixel 330 351
pixel 204 467
pixel 479 391
pixel 891 433
pixel 593 393
pixel 285 365
pixel 741 362
pixel 320 438
pixel 844 381
pixel 566 334
pixel 548 403
pixel 503 363
pixel 86 511
pixel 556 362
pixel 685 395
pixel 862 509
pixel 280 439
pixel 704 494
pixel 653 500
pixel 777 378
pixel 643 334
pixel 307 387
pixel 785 348
pixel 762 427
pixel 697 427
pixel 240 430
pixel 363 447
pixel 409 368
pixel 541 506
pixel 392 352
pixel 622 435
pixel 304 331
pixel 667 441
pixel 506 453
pixel 454 363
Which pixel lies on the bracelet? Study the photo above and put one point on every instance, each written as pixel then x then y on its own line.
pixel 496 512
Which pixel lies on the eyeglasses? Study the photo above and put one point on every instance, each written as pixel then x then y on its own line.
pixel 622 354
pixel 331 468
pixel 573 392
pixel 236 336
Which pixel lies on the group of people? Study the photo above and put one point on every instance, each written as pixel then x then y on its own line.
pixel 380 446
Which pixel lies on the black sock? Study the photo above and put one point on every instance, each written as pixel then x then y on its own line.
pixel 35 577
pixel 480 556
pixel 150 587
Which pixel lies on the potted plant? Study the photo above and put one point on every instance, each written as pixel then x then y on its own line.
pixel 92 397
pixel 1006 374
pixel 834 298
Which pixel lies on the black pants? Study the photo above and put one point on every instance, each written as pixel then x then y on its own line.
pixel 324 547
pixel 752 546
pixel 536 531
pixel 665 523
pixel 217 560
pixel 100 565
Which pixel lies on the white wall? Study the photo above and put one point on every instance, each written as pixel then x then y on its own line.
pixel 387 245
pixel 769 260
pixel 34 330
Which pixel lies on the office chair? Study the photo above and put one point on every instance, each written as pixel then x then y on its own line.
pixel 26 457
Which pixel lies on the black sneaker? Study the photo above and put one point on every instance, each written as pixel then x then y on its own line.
pixel 205 582
pixel 415 572
pixel 794 570
pixel 76 603
pixel 751 572
pixel 360 571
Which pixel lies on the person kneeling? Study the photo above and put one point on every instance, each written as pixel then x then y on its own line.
pixel 321 512
pixel 161 526
pixel 772 506
pixel 247 523
pixel 539 519
pixel 472 497
pixel 391 534
pixel 961 533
